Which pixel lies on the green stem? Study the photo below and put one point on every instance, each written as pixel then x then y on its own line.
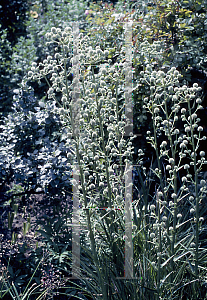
pixel 174 237
pixel 103 145
pixel 91 235
pixel 196 192
pixel 159 220
pixel 117 116
pixel 88 215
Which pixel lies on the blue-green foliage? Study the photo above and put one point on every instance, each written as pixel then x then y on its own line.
pixel 33 151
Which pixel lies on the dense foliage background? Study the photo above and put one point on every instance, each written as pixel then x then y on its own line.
pixel 169 40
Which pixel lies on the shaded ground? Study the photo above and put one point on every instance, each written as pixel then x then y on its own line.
pixel 35 207
pixel 33 211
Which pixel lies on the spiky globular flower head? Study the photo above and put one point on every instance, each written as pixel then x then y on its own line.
pixel 200 128
pixel 202 153
pixel 152 206
pixel 171 160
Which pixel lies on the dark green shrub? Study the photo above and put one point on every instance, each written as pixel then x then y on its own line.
pixel 12 18
pixel 5 85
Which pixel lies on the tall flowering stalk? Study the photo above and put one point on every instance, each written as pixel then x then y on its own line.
pixel 168 99
pixel 99 149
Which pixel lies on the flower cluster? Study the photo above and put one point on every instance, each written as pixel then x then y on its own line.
pixel 96 133
pixel 176 137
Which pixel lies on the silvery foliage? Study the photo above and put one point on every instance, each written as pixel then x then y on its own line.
pixel 33 152
pixel 4 49
pixel 24 53
pixel 99 147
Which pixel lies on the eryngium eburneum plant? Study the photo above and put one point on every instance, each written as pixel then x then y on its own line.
pixel 98 148
pixel 173 221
